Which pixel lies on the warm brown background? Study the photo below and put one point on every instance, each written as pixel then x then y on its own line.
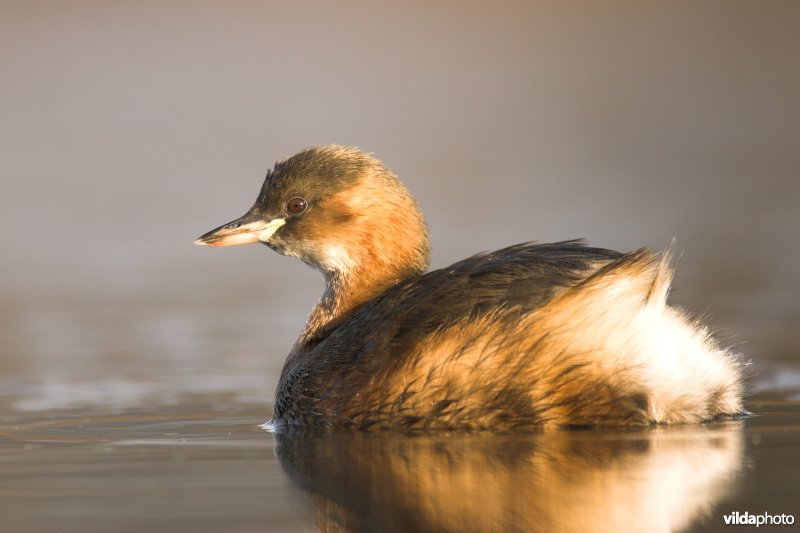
pixel 128 128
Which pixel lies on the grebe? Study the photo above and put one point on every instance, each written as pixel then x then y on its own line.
pixel 533 335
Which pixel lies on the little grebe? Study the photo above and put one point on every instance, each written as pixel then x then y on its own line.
pixel 533 335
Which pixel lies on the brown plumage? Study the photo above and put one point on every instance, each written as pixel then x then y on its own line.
pixel 534 335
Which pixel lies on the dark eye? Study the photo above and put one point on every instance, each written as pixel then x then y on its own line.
pixel 296 205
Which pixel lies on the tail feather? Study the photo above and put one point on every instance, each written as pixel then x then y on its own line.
pixel 662 281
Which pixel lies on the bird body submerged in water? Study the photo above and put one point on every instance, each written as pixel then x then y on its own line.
pixel 534 335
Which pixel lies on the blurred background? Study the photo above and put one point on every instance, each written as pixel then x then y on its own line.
pixel 129 128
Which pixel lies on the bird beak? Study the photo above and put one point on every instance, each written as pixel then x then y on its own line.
pixel 244 230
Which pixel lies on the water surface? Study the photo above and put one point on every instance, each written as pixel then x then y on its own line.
pixel 209 466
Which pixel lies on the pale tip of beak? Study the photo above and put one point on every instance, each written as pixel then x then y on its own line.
pixel 200 242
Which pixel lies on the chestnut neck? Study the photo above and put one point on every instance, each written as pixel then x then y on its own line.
pixel 347 291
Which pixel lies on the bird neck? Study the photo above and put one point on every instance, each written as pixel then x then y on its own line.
pixel 346 292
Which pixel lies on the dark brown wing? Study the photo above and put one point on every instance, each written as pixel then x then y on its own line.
pixel 385 331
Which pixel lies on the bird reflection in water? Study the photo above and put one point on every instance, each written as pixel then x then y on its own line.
pixel 664 479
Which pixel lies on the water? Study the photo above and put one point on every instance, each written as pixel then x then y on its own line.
pixel 208 466
pixel 179 469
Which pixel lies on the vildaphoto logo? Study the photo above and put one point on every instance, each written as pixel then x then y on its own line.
pixel 764 519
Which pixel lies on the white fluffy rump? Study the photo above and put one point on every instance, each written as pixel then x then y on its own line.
pixel 620 316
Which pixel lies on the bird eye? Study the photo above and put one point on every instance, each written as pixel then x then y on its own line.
pixel 296 206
